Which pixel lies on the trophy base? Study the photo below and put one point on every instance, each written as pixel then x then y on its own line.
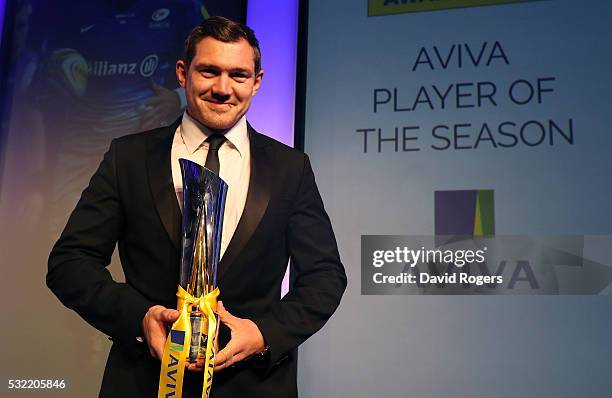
pixel 199 339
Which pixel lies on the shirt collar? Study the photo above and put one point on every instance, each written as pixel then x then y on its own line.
pixel 195 133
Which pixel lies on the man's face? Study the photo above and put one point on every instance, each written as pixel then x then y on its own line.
pixel 220 82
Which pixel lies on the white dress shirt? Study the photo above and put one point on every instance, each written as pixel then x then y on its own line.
pixel 234 166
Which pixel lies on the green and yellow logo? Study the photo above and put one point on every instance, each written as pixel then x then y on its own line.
pixel 386 7
pixel 465 212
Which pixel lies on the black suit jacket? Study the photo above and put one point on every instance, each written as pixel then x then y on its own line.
pixel 131 201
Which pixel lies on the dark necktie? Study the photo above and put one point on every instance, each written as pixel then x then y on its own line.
pixel 212 158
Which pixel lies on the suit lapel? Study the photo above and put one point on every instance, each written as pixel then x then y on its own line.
pixel 159 145
pixel 258 196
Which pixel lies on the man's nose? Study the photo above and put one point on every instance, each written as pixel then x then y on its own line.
pixel 222 86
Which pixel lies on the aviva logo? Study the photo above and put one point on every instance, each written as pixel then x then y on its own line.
pixel 467 213
pixel 385 7
pixel 177 340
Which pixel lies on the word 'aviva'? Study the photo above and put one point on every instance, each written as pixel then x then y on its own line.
pixel 460 55
pixel 171 372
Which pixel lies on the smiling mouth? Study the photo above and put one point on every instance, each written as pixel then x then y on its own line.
pixel 219 105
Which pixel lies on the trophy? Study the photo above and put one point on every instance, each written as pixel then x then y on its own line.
pixel 192 336
pixel 203 203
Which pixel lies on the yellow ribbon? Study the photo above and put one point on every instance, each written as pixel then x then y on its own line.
pixel 178 343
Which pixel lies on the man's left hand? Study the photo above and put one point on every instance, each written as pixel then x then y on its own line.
pixel 246 340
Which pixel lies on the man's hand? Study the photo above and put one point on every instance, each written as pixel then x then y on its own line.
pixel 155 324
pixel 246 340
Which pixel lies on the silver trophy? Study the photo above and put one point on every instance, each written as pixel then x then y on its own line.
pixel 204 196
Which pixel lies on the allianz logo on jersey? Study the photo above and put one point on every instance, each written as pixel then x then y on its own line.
pixel 145 68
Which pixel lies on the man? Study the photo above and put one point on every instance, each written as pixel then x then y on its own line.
pixel 273 212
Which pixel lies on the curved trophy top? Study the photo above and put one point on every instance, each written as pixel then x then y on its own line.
pixel 204 195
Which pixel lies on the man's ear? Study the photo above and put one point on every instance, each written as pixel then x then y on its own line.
pixel 258 78
pixel 181 72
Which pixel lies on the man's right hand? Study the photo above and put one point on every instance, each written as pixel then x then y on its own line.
pixel 155 324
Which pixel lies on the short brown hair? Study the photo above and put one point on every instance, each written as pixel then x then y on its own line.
pixel 225 30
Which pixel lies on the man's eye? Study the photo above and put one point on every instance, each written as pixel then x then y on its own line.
pixel 240 77
pixel 208 72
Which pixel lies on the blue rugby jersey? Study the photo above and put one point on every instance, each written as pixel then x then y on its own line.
pixel 101 60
